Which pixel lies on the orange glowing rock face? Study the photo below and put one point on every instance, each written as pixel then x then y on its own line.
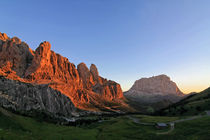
pixel 83 86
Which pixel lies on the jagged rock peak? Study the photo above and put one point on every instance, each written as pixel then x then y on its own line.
pixel 15 55
pixel 85 75
pixel 44 48
pixel 94 71
pixel 3 36
pixel 82 85
pixel 83 69
pixel 82 65
pixel 16 40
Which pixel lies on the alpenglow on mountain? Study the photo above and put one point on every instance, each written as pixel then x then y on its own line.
pixel 83 86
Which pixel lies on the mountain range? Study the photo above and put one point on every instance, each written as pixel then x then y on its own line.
pixel 44 81
pixel 83 86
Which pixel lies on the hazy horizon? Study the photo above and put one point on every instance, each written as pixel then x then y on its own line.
pixel 126 40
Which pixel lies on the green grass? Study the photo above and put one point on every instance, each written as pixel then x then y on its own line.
pixel 155 119
pixel 198 129
pixel 192 105
pixel 16 127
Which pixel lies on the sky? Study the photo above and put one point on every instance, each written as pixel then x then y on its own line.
pixel 125 39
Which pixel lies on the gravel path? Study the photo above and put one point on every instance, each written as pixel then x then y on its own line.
pixel 178 121
pixel 172 124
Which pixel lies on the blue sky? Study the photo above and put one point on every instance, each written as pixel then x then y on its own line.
pixel 126 39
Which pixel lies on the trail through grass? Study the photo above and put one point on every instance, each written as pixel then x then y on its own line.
pixel 15 127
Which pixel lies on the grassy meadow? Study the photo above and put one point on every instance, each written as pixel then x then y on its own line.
pixel 16 127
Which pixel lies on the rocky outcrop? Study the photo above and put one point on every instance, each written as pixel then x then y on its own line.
pixel 157 91
pixel 91 80
pixel 110 90
pixel 25 97
pixel 47 65
pixel 3 36
pixel 85 75
pixel 15 55
pixel 86 89
pixel 156 85
pixel 94 72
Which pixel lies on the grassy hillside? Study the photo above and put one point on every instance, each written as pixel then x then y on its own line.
pixel 15 127
pixel 192 105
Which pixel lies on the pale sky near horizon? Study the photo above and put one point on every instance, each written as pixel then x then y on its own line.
pixel 125 39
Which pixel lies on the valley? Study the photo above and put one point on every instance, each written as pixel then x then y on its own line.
pixel 105 70
pixel 44 96
pixel 16 127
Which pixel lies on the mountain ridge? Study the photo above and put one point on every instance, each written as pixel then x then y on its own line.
pixel 86 89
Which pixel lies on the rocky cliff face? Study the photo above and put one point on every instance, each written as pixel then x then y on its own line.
pixel 156 85
pixel 14 55
pixel 25 97
pixel 158 92
pixel 86 89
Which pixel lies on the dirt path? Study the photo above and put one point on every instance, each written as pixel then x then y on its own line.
pixel 172 124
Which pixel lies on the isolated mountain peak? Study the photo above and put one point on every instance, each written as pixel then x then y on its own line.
pixel 156 92
pixel 160 84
